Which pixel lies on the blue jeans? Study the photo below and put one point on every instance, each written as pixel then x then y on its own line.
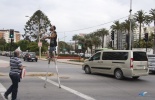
pixel 52 49
pixel 14 87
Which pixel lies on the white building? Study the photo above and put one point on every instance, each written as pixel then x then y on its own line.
pixel 144 30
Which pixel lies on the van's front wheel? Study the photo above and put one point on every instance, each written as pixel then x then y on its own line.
pixel 87 70
pixel 118 74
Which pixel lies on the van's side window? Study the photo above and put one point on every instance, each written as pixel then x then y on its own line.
pixel 96 56
pixel 115 56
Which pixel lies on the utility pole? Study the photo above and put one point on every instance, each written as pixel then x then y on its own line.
pixel 130 37
pixel 39 39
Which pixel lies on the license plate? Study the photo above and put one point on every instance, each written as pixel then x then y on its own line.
pixel 33 58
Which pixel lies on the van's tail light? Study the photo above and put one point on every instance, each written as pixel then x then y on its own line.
pixel 131 63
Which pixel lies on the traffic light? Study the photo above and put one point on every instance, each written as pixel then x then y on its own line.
pixel 11 33
pixel 112 35
pixel 146 37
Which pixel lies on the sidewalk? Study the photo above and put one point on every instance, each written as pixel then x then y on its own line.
pixel 66 61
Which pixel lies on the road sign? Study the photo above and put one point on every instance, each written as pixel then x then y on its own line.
pixel 39 44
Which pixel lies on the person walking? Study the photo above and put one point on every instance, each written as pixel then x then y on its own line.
pixel 15 75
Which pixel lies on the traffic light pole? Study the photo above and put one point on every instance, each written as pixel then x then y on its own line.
pixel 10 46
pixel 113 44
pixel 146 46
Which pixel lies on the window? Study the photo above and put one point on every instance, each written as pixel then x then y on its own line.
pixel 115 56
pixel 139 56
pixel 96 56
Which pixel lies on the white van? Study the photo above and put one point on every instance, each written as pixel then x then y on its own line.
pixel 120 63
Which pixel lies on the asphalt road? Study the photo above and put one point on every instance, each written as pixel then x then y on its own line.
pixel 76 85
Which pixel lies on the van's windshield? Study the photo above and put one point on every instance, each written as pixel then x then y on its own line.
pixel 139 56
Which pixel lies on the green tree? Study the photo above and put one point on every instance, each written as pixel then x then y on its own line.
pixel 37 26
pixel 148 20
pixel 14 46
pixel 24 44
pixel 140 18
pixel 117 27
pixel 126 27
pixel 102 33
pixel 2 44
pixel 75 38
pixel 89 41
pixel 33 47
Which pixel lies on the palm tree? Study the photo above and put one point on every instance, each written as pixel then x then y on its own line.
pixel 89 42
pixel 75 38
pixel 148 20
pixel 96 41
pixel 152 13
pixel 102 33
pixel 140 18
pixel 126 28
pixel 117 27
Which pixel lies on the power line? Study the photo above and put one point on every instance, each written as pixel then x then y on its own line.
pixel 94 26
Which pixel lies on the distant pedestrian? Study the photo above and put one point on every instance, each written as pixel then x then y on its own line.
pixel 15 71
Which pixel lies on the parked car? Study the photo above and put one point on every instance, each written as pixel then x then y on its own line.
pixel 3 53
pixel 30 56
pixel 120 63
pixel 151 62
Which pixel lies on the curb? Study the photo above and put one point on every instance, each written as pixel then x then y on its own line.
pixel 68 62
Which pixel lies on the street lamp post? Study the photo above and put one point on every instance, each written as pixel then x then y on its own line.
pixel 130 44
pixel 39 38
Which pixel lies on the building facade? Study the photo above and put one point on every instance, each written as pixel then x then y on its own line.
pixel 5 34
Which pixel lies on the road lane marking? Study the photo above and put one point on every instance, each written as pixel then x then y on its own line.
pixel 2 90
pixel 69 89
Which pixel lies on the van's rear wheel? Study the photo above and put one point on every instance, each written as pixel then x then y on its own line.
pixel 118 74
pixel 87 70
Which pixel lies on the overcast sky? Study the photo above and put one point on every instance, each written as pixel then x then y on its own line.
pixel 69 15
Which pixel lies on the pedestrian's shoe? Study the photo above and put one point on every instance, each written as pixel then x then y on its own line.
pixel 5 96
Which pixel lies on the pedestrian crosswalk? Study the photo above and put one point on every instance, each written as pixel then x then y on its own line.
pixel 2 90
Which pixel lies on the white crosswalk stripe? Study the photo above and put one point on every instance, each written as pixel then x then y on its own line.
pixel 86 97
pixel 2 90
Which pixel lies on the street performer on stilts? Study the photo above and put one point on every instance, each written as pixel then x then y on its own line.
pixel 52 50
pixel 53 42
